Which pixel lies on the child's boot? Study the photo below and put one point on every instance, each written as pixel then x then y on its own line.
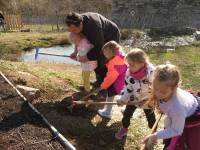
pixel 107 111
pixel 121 133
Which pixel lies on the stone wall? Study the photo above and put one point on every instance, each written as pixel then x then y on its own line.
pixel 157 14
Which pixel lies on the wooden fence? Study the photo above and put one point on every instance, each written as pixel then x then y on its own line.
pixel 13 22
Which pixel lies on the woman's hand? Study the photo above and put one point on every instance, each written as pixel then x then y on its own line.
pixel 150 139
pixel 83 58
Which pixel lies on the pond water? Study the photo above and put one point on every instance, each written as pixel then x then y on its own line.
pixel 58 50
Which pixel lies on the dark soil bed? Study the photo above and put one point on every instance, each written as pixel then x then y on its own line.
pixel 20 127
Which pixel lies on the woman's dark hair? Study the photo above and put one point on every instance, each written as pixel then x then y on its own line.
pixel 73 18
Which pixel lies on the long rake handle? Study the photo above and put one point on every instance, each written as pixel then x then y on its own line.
pixel 54 55
pixel 94 103
pixel 101 103
pixel 152 130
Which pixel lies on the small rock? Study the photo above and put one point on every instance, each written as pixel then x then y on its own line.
pixel 24 73
pixel 170 49
pixel 197 35
pixel 29 92
pixel 22 130
pixel 26 30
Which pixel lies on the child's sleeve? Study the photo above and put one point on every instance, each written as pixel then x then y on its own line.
pixel 167 122
pixel 176 127
pixel 151 69
pixel 83 52
pixel 127 92
pixel 110 78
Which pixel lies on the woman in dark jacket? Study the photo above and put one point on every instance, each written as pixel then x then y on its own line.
pixel 98 30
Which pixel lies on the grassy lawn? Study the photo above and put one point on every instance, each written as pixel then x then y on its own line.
pixel 47 77
pixel 187 58
pixel 45 27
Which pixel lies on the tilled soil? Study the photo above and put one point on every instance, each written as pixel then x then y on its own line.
pixel 20 127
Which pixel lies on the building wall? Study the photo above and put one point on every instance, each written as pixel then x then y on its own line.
pixel 158 14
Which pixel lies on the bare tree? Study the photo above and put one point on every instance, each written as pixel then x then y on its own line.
pixel 53 11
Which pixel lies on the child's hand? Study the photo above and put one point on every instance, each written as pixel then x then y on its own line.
pixel 73 55
pixel 83 59
pixel 150 139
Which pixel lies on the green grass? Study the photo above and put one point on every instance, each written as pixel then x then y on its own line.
pixel 187 58
pixel 196 43
pixel 45 27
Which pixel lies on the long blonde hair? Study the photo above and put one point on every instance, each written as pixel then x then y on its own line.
pixel 137 55
pixel 112 47
pixel 73 36
pixel 167 73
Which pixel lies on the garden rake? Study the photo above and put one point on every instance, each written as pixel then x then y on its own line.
pixel 146 146
pixel 90 102
pixel 39 53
